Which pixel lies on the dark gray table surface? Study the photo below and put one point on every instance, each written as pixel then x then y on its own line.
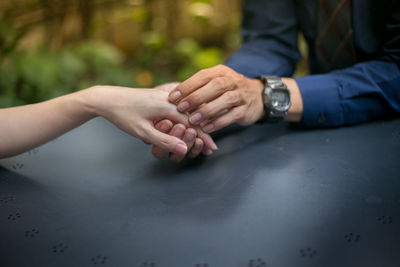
pixel 270 196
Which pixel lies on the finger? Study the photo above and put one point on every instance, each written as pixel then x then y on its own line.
pixel 196 81
pixel 226 101
pixel 231 117
pixel 196 149
pixel 206 138
pixel 206 151
pixel 219 114
pixel 164 141
pixel 189 138
pixel 178 131
pixel 166 110
pixel 163 126
pixel 170 112
pixel 207 93
pixel 175 116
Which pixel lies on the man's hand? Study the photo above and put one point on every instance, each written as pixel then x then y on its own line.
pixel 219 96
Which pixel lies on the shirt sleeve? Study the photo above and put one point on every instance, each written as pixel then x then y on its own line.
pixel 269 31
pixel 366 91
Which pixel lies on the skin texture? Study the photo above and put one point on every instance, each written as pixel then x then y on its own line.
pixel 217 97
pixel 195 144
pixel 222 96
pixel 135 111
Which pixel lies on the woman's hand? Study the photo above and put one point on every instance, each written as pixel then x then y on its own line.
pixel 136 111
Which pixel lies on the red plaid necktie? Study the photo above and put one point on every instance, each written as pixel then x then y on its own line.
pixel 334 43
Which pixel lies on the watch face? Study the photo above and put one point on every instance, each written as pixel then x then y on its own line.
pixel 280 100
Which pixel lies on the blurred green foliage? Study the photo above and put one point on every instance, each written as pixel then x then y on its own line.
pixel 33 75
pixel 27 77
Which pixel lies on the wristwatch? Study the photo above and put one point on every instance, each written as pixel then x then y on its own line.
pixel 276 98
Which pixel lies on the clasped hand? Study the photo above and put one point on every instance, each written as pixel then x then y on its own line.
pixel 213 99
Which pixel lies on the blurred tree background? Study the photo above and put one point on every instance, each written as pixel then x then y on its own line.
pixel 53 47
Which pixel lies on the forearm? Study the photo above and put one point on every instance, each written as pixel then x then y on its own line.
pixel 25 127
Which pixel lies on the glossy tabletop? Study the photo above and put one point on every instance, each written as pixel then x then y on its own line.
pixel 272 195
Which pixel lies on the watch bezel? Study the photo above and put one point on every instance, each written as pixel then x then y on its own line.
pixel 274 84
pixel 284 105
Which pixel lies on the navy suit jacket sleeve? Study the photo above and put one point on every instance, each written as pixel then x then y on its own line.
pixel 269 34
pixel 365 91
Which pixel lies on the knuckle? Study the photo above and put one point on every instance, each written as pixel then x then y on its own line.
pixel 204 72
pixel 194 98
pixel 241 100
pixel 205 110
pixel 221 67
pixel 220 82
pixel 183 88
pixel 208 111
pixel 236 115
pixel 232 97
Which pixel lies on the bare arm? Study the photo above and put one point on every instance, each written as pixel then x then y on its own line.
pixel 132 110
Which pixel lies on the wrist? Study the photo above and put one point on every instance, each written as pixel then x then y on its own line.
pixel 295 112
pixel 259 87
pixel 93 100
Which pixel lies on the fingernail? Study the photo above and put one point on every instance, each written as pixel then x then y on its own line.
pixel 208 152
pixel 178 131
pixel 195 118
pixel 164 127
pixel 181 149
pixel 208 128
pixel 214 147
pixel 175 95
pixel 189 137
pixel 183 106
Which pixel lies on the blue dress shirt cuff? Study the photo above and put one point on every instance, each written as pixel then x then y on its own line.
pixel 321 101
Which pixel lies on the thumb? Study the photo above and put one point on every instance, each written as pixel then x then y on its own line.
pixel 167 142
